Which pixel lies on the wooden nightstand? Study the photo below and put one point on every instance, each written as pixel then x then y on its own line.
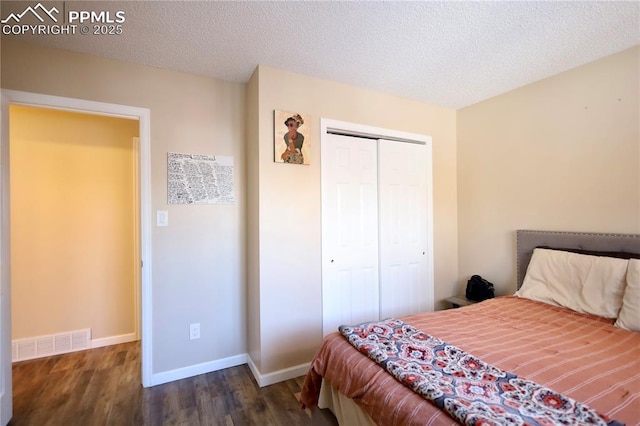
pixel 457 301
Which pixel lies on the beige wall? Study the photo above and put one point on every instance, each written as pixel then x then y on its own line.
pixel 73 264
pixel 253 221
pixel 198 267
pixel 559 154
pixel 288 281
pixel 199 260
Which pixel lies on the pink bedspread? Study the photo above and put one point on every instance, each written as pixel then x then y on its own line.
pixel 581 356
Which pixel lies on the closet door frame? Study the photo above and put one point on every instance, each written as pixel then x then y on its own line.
pixel 329 126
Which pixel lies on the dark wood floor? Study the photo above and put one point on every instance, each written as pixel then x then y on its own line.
pixel 103 387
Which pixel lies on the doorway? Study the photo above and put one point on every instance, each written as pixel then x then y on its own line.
pixel 10 97
pixel 74 239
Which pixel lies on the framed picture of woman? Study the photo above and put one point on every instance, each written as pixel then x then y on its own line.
pixel 292 138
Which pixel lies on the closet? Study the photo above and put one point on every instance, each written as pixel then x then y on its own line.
pixel 377 256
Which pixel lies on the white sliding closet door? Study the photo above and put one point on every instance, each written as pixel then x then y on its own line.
pixel 349 231
pixel 403 179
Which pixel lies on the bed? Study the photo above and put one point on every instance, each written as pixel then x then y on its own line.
pixel 588 353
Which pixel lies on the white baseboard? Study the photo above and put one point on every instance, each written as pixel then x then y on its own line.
pixel 277 376
pixel 195 370
pixel 113 340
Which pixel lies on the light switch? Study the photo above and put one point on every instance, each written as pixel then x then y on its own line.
pixel 162 218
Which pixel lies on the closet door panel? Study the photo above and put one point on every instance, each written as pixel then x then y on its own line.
pixel 350 286
pixel 403 180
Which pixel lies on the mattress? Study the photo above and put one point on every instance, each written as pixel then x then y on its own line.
pixel 582 356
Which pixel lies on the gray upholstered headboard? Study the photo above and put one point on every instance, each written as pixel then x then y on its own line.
pixel 526 241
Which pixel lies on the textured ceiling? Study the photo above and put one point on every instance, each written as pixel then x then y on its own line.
pixel 446 53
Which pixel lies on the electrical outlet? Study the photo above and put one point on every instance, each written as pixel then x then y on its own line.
pixel 194 331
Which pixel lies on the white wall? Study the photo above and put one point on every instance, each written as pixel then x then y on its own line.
pixel 560 154
pixel 199 259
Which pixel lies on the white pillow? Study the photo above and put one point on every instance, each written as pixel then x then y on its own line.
pixel 583 283
pixel 629 317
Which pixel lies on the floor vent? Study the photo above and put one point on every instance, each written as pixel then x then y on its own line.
pixel 41 346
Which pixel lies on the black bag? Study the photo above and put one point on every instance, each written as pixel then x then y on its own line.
pixel 479 289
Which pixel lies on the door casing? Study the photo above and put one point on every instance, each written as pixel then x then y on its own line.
pixel 143 115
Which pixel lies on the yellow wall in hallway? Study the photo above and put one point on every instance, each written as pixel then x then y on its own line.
pixel 73 226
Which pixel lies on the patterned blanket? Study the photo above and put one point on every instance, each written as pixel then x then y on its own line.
pixel 471 391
